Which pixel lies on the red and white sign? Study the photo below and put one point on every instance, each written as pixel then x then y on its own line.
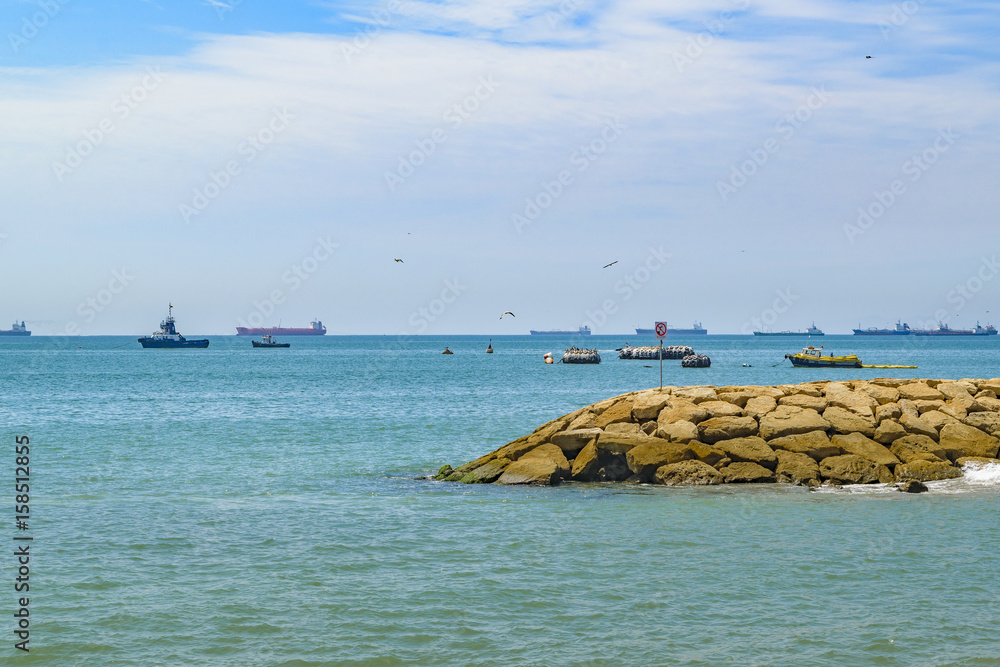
pixel 661 330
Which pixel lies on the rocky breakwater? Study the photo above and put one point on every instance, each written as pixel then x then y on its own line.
pixel 844 432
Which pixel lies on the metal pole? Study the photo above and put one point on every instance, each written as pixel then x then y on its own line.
pixel 661 365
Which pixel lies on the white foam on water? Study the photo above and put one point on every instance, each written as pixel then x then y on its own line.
pixel 982 474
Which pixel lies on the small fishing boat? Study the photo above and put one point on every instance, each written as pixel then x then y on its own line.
pixel 269 341
pixel 811 357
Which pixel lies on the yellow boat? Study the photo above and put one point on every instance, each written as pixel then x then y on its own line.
pixel 811 357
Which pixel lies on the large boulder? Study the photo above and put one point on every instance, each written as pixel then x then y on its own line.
pixel 956 390
pixel 984 421
pixel 688 473
pixel 758 406
pixel 965 440
pixel 888 431
pixel 725 428
pixel 847 421
pixel 751 448
pixel 486 473
pixel 722 409
pixel 615 443
pixel 582 421
pixel 887 411
pixel 855 443
pixel 678 411
pixel 643 460
pixel 817 403
pixel 552 453
pixel 883 395
pixel 790 420
pixel 908 448
pixel 815 444
pixel 696 394
pixel 648 405
pixel 707 453
pixel 854 469
pixel 536 471
pixel 739 396
pixel 624 428
pixel 796 468
pixel 745 472
pixel 574 440
pixel 619 412
pixel 585 465
pixel 855 401
pixel 682 431
pixel 916 391
pixel 938 419
pixel 926 471
pixel 917 426
pixel 908 407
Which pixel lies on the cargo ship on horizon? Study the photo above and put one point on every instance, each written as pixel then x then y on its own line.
pixel 315 328
pixel 582 331
pixel 695 330
pixel 16 330
pixel 811 331
pixel 945 330
pixel 901 329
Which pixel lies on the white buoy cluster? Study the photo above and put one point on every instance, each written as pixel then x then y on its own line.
pixel 576 355
pixel 653 352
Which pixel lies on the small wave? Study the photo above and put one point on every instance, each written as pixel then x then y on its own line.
pixel 982 474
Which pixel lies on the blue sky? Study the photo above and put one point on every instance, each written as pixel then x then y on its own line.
pixel 744 162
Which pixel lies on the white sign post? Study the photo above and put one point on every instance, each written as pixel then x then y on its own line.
pixel 661 334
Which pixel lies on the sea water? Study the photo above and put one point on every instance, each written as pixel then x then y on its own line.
pixel 236 506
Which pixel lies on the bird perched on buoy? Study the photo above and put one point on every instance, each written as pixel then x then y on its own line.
pixel 508 313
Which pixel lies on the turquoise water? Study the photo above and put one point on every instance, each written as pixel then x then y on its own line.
pixel 265 507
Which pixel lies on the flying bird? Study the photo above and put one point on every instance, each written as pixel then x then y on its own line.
pixel 867 56
pixel 398 260
pixel 611 264
pixel 508 313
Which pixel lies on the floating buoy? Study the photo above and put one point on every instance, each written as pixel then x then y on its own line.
pixel 696 361
pixel 575 355
pixel 447 351
pixel 548 358
pixel 489 350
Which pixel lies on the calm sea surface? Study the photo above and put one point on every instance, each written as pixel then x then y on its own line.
pixel 234 506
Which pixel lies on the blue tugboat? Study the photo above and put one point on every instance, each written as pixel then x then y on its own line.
pixel 167 336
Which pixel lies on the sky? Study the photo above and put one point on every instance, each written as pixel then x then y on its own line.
pixel 741 163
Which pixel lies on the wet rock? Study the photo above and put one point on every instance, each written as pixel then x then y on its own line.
pixel 988 422
pixel 853 469
pixel 487 473
pixel 791 420
pixel 912 486
pixel 614 443
pixel 613 468
pixel 926 471
pixel 745 472
pixel 645 459
pixel 962 461
pixel 443 472
pixel 574 440
pixel 539 472
pixel 725 428
pixel 550 452
pixel 585 465
pixel 688 473
pixel 708 454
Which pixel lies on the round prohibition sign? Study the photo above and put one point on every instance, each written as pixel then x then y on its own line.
pixel 661 329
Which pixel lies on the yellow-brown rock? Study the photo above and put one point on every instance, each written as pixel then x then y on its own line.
pixel 916 391
pixel 725 428
pixel 887 411
pixel 550 452
pixel 817 403
pixel 796 468
pixel 758 406
pixel 682 431
pixel 682 410
pixel 696 394
pixel 815 444
pixel 538 472
pixel 888 431
pixel 575 439
pixel 926 471
pixel 643 460
pixel 790 420
pixel 917 426
pixel 854 469
pixel 648 405
pixel 619 412
pixel 585 465
pixel 745 472
pixel 707 453
pixel 908 447
pixel 846 421
pixel 855 443
pixel 751 448
pixel 968 441
pixel 721 409
pixel 688 473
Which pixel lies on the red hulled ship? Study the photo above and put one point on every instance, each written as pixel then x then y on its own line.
pixel 314 329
